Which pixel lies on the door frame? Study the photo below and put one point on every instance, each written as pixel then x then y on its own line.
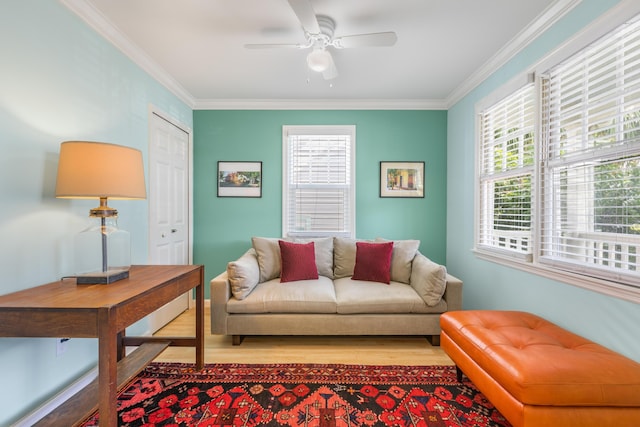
pixel 153 110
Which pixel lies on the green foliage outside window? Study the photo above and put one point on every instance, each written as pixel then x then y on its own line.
pixel 617 183
pixel 512 196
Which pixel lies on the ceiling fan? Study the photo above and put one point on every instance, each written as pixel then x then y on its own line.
pixel 318 30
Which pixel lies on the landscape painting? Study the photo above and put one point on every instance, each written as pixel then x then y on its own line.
pixel 401 179
pixel 239 179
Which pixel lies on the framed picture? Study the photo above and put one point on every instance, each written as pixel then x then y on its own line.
pixel 239 179
pixel 401 179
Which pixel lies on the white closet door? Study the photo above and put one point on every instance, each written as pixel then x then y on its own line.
pixel 169 194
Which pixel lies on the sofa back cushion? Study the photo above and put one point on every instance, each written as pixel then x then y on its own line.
pixel 268 253
pixel 243 274
pixel 298 261
pixel 403 253
pixel 344 257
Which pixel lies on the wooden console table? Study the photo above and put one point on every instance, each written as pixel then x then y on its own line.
pixel 64 309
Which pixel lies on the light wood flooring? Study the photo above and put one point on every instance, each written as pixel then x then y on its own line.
pixel 301 349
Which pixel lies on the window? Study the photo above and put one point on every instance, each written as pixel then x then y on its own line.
pixel 559 185
pixel 506 169
pixel 591 115
pixel 318 181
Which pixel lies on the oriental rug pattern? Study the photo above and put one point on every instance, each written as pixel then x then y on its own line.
pixel 302 395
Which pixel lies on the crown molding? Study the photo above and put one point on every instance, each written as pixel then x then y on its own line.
pixel 320 104
pixel 96 20
pixel 543 22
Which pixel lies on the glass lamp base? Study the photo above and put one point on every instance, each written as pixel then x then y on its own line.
pixel 103 252
pixel 100 277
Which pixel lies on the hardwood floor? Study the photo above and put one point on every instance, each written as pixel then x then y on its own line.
pixel 379 350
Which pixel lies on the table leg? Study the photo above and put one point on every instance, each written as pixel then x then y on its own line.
pixel 200 322
pixel 121 349
pixel 107 368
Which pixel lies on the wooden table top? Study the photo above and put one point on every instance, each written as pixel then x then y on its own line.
pixel 66 294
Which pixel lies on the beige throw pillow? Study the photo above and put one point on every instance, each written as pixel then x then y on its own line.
pixel 268 253
pixel 344 257
pixel 403 253
pixel 324 254
pixel 428 279
pixel 243 274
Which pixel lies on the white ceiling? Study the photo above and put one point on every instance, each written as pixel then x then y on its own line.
pixel 196 47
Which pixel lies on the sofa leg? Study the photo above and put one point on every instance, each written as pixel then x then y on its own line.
pixel 459 374
pixel 237 339
pixel 434 340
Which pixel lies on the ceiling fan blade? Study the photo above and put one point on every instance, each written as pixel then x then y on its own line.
pixel 331 72
pixel 366 40
pixel 273 46
pixel 306 15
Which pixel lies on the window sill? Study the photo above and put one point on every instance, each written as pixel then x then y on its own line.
pixel 606 287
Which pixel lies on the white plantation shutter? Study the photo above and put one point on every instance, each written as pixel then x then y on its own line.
pixel 319 181
pixel 506 165
pixel 591 168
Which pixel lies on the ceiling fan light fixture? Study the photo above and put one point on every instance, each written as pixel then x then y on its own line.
pixel 319 60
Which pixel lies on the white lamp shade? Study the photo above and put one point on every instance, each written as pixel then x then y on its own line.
pixel 96 169
pixel 319 60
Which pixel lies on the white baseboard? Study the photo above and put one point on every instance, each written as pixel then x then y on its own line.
pixel 43 410
pixel 57 400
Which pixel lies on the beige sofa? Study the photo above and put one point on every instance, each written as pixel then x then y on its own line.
pixel 251 299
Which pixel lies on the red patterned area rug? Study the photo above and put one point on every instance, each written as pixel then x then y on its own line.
pixel 302 395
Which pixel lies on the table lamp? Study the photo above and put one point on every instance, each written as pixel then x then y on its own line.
pixel 98 170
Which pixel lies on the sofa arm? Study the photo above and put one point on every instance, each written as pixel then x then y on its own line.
pixel 220 294
pixel 453 293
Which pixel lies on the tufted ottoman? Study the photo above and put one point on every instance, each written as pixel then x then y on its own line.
pixel 540 375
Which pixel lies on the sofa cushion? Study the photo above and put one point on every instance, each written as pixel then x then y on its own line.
pixel 243 274
pixel 403 253
pixel 344 257
pixel 298 261
pixel 304 296
pixel 360 297
pixel 324 254
pixel 268 253
pixel 373 262
pixel 428 279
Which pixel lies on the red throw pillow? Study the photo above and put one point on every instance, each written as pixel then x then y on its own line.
pixel 373 262
pixel 298 261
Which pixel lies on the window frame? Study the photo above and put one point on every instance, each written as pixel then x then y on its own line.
pixel 484 178
pixel 620 287
pixel 318 130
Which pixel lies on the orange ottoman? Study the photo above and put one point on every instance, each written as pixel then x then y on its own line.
pixel 540 375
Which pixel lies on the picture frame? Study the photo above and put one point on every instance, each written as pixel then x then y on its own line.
pixel 239 179
pixel 402 179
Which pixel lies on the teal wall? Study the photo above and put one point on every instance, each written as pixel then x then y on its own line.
pixel 59 81
pixel 609 321
pixel 224 226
